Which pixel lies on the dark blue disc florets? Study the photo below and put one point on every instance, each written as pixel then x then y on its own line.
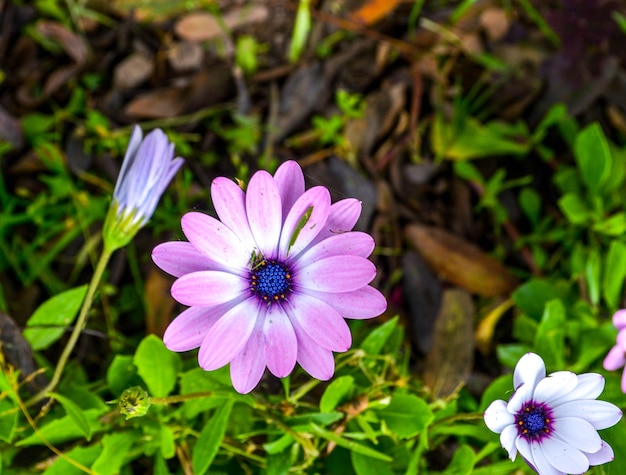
pixel 270 280
pixel 534 421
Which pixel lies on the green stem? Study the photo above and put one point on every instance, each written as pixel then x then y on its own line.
pixel 78 327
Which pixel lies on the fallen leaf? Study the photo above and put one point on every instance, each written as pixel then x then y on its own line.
pixel 198 26
pixel 185 56
pixel 73 44
pixel 460 262
pixel 372 11
pixel 495 22
pixel 449 363
pixel 158 104
pixel 132 71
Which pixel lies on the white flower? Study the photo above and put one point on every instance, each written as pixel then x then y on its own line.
pixel 553 421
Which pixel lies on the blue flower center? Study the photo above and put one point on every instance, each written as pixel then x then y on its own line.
pixel 270 280
pixel 534 421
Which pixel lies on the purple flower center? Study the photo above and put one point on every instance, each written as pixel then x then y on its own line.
pixel 534 421
pixel 270 281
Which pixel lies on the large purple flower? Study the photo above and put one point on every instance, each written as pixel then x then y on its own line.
pixel 553 421
pixel 271 282
pixel 616 358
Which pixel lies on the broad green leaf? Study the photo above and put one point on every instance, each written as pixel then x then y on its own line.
pixel 364 465
pixel 160 465
pixel 75 413
pixel 210 439
pixel 56 313
pixel 530 202
pixel 168 446
pixel 406 415
pixel 500 388
pixel 462 461
pixel 613 226
pixel 115 448
pixel 375 341
pixel 593 156
pixel 470 139
pixel 83 455
pixel 510 354
pixel 550 339
pixel 532 296
pixel 348 444
pixel 575 209
pixel 593 271
pixel 278 445
pixel 157 366
pixel 122 374
pixel 63 429
pixel 614 274
pixel 335 392
pixel 8 421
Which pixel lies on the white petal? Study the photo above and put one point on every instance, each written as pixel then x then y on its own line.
pixel 561 456
pixel 497 417
pixel 554 386
pixel 604 455
pixel 507 439
pixel 519 398
pixel 578 433
pixel 524 448
pixel 590 386
pixel 530 369
pixel 600 414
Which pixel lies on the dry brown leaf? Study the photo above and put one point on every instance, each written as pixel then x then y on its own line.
pixel 449 363
pixel 132 71
pixel 158 104
pixel 73 44
pixel 185 56
pixel 202 26
pixel 495 22
pixel 160 302
pixel 460 262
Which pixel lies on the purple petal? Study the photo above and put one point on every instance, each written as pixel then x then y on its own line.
pixel 621 339
pixel 600 414
pixel 366 302
pixel 247 368
pixel 229 335
pixel 320 321
pixel 578 433
pixel 560 456
pixel 188 330
pixel 615 359
pixel 216 240
pixel 208 288
pixel 497 417
pixel 529 369
pixel 336 274
pixel 314 359
pixel 619 319
pixel 602 456
pixel 229 201
pixel 342 217
pixel 280 342
pixel 290 182
pixel 352 243
pixel 265 214
pixel 624 381
pixel 129 158
pixel 179 258
pixel 318 201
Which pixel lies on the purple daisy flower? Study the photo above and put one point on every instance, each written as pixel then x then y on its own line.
pixel 616 358
pixel 553 421
pixel 149 166
pixel 270 283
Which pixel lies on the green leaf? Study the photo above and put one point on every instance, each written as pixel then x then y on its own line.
pixel 115 448
pixel 613 226
pixel 348 444
pixel 63 429
pixel 364 465
pixel 500 388
pixel 575 209
pixel 530 202
pixel 58 312
pixel 593 155
pixel 550 338
pixel 468 138
pixel 510 354
pixel 375 341
pixel 75 413
pixel 157 366
pixel 8 421
pixel 210 439
pixel 532 297
pixel 335 392
pixel 614 274
pixel 122 374
pixel 462 462
pixel 406 415
pixel 593 269
pixel 82 455
pixel 168 446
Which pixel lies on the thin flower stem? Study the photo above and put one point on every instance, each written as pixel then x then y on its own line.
pixel 80 323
